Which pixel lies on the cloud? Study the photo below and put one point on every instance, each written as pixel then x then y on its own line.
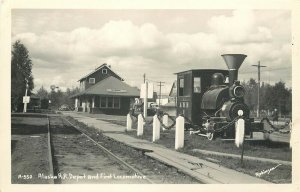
pixel 62 57
pixel 239 28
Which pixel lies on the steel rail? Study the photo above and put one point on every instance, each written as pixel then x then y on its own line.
pixel 51 169
pixel 110 153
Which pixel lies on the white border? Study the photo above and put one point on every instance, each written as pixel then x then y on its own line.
pixel 5 40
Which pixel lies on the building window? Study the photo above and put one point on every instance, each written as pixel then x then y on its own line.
pixel 91 80
pixel 102 102
pixel 181 86
pixel 104 71
pixel 110 102
pixel 197 85
pixel 117 102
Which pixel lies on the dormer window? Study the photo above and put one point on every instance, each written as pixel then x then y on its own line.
pixel 91 80
pixel 104 71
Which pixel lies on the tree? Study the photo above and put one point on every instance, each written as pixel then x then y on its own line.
pixel 42 93
pixel 70 92
pixel 21 66
pixel 251 94
pixel 281 97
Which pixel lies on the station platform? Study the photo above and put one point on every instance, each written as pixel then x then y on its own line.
pixel 202 170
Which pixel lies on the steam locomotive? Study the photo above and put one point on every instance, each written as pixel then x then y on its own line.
pixel 212 99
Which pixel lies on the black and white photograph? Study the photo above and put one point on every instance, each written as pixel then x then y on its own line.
pixel 150 95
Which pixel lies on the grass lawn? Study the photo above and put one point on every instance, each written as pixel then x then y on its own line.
pixel 263 149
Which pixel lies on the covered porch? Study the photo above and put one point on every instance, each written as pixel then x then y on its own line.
pixel 107 104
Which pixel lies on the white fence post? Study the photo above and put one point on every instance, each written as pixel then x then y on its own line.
pixel 179 133
pixel 156 129
pixel 165 121
pixel 239 130
pixel 140 128
pixel 129 123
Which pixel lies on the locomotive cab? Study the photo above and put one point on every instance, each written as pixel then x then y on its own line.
pixel 191 86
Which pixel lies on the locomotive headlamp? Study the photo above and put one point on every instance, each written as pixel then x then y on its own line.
pixel 240 112
pixel 239 91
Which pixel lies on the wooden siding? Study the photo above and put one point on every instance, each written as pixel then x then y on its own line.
pixel 99 76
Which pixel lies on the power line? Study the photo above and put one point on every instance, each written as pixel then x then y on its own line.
pixel 282 68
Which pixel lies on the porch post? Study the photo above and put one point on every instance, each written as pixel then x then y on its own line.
pixel 83 104
pixel 93 102
pixel 93 105
pixel 76 104
pixel 88 105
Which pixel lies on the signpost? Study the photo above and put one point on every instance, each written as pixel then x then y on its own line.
pixel 26 99
pixel 146 92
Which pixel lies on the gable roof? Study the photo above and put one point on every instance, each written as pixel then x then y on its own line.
pixel 173 91
pixel 110 86
pixel 99 68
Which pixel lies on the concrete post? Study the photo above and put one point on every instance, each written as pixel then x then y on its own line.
pixel 140 128
pixel 129 123
pixel 165 121
pixel 239 130
pixel 179 133
pixel 156 129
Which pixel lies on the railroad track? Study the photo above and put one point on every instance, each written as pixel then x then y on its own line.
pixel 51 168
pixel 104 149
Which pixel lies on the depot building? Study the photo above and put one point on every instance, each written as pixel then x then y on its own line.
pixel 104 91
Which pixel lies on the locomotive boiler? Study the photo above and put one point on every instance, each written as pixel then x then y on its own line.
pixel 210 99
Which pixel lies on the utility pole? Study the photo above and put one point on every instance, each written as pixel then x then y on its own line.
pixel 160 85
pixel 258 88
pixel 146 100
pixel 144 77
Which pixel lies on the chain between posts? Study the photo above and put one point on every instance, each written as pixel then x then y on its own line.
pixel 160 116
pixel 212 130
pixel 147 122
pixel 228 125
pixel 190 122
pixel 132 116
pixel 275 129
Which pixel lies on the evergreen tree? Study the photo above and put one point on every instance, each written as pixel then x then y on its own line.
pixel 42 93
pixel 21 66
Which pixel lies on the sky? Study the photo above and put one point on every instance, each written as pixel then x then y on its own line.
pixel 65 45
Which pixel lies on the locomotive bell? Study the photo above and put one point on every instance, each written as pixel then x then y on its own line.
pixel 233 62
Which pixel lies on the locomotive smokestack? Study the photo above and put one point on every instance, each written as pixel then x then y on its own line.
pixel 233 62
